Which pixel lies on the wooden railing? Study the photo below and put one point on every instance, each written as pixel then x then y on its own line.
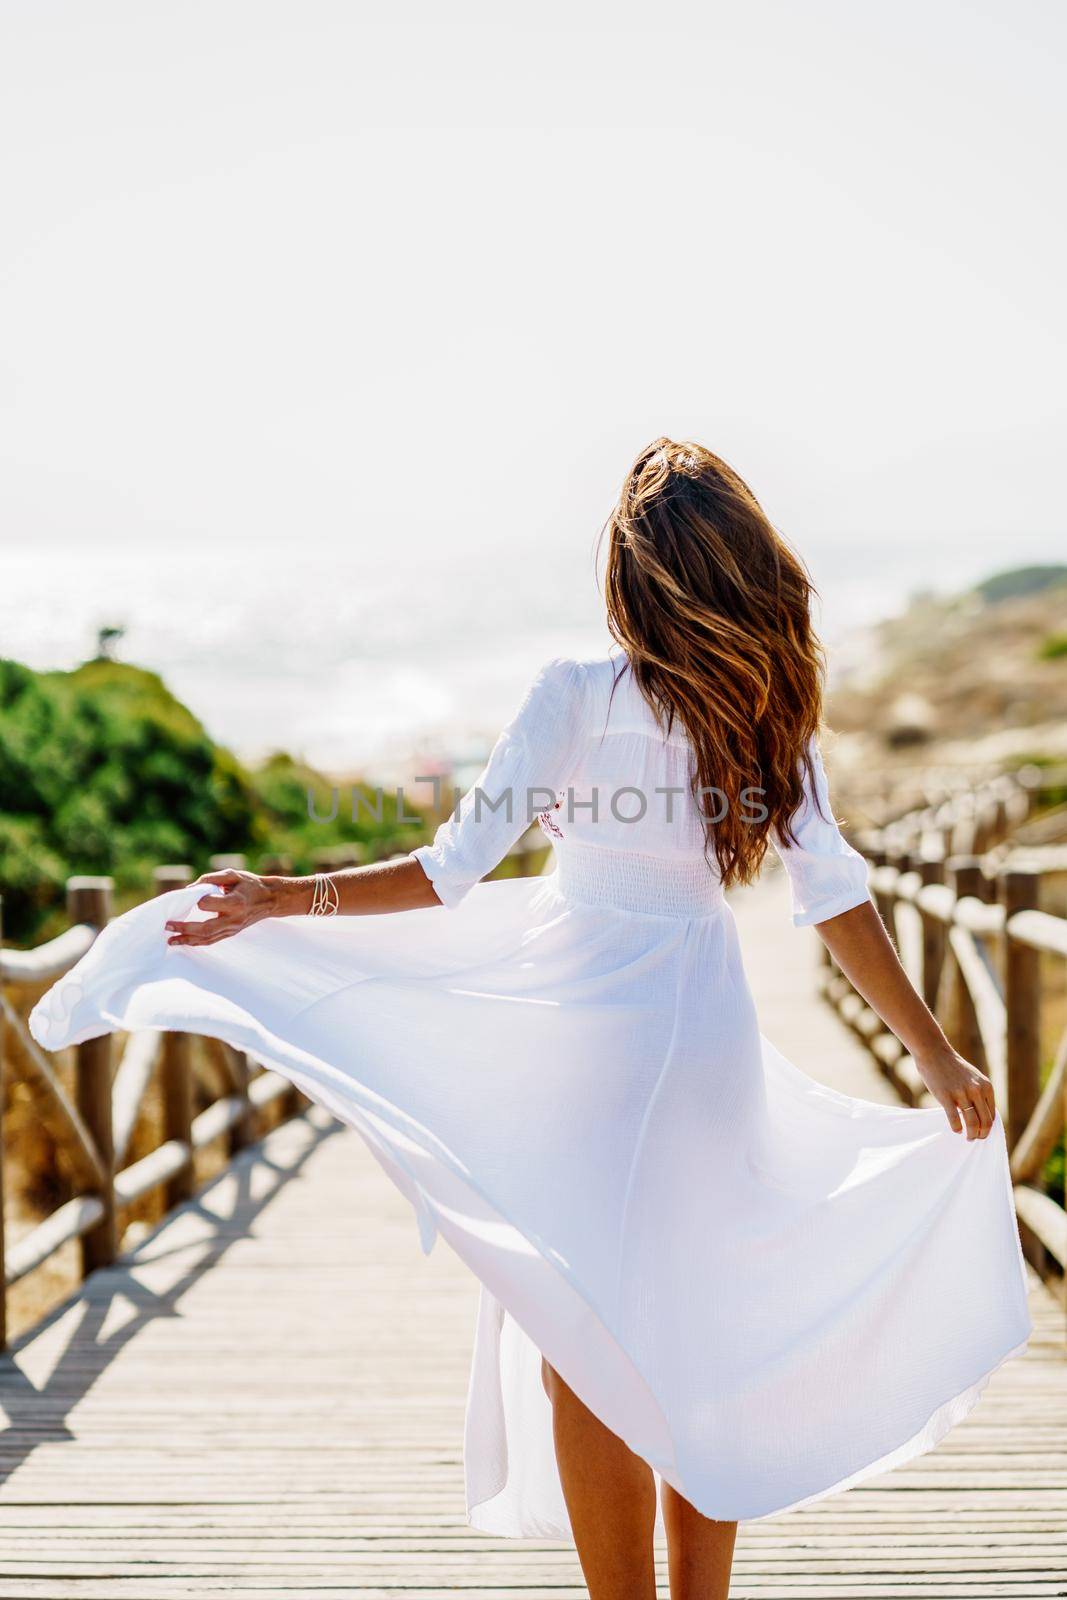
pixel 94 1125
pixel 974 938
pixel 957 811
pixel 94 1122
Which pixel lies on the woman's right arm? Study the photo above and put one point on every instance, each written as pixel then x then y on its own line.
pixel 530 760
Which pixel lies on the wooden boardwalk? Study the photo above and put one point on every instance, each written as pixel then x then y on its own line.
pixel 265 1398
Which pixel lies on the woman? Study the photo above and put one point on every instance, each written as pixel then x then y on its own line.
pixel 699 1269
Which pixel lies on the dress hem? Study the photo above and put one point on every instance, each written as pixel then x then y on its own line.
pixel 937 1426
pixel 941 1421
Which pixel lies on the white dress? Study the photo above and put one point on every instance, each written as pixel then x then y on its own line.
pixel 768 1289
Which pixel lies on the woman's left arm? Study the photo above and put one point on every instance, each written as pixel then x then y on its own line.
pixel 830 888
pixel 859 944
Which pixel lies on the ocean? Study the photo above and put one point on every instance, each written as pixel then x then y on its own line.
pixel 357 665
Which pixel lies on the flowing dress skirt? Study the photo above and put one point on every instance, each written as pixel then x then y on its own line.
pixel 768 1289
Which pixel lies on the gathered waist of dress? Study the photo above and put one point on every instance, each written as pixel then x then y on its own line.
pixel 626 880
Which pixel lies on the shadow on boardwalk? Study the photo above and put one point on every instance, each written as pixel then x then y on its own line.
pixel 93 1328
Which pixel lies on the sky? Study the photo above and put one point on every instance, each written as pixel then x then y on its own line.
pixel 328 330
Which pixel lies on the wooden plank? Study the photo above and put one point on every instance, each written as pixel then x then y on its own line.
pixel 3 1180
pixel 48 961
pixel 266 1087
pixel 989 1008
pixel 132 1077
pixel 70 1221
pixel 1020 890
pixel 1047 1219
pixel 1040 931
pixel 89 901
pixel 1046 1125
pixel 218 1118
pixel 67 1121
pixel 158 1166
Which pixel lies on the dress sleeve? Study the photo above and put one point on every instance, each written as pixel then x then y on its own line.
pixel 531 761
pixel 826 875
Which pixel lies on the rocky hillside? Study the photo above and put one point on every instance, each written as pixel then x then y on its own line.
pixel 981 676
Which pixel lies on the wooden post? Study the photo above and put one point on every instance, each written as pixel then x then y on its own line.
pixel 3 1108
pixel 968 881
pixel 242 1133
pixel 947 828
pixel 878 856
pixel 968 878
pixel 1063 1285
pixel 89 900
pixel 933 934
pixel 897 856
pixel 980 840
pixel 1020 890
pixel 221 862
pixel 171 877
pixel 176 1071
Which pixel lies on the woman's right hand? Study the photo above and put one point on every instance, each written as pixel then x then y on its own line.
pixel 245 899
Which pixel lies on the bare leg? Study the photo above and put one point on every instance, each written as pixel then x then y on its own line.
pixel 610 1495
pixel 700 1552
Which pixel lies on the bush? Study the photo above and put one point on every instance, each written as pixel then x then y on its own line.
pixel 1054 648
pixel 102 770
pixel 283 786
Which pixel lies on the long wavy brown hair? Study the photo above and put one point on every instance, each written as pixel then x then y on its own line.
pixel 712 608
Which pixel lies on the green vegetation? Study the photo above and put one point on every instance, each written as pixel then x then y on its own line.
pixel 103 770
pixel 282 788
pixel 1053 648
pixel 1054 1174
pixel 1016 582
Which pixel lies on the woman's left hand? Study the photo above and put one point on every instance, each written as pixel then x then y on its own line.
pixel 963 1092
pixel 245 899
